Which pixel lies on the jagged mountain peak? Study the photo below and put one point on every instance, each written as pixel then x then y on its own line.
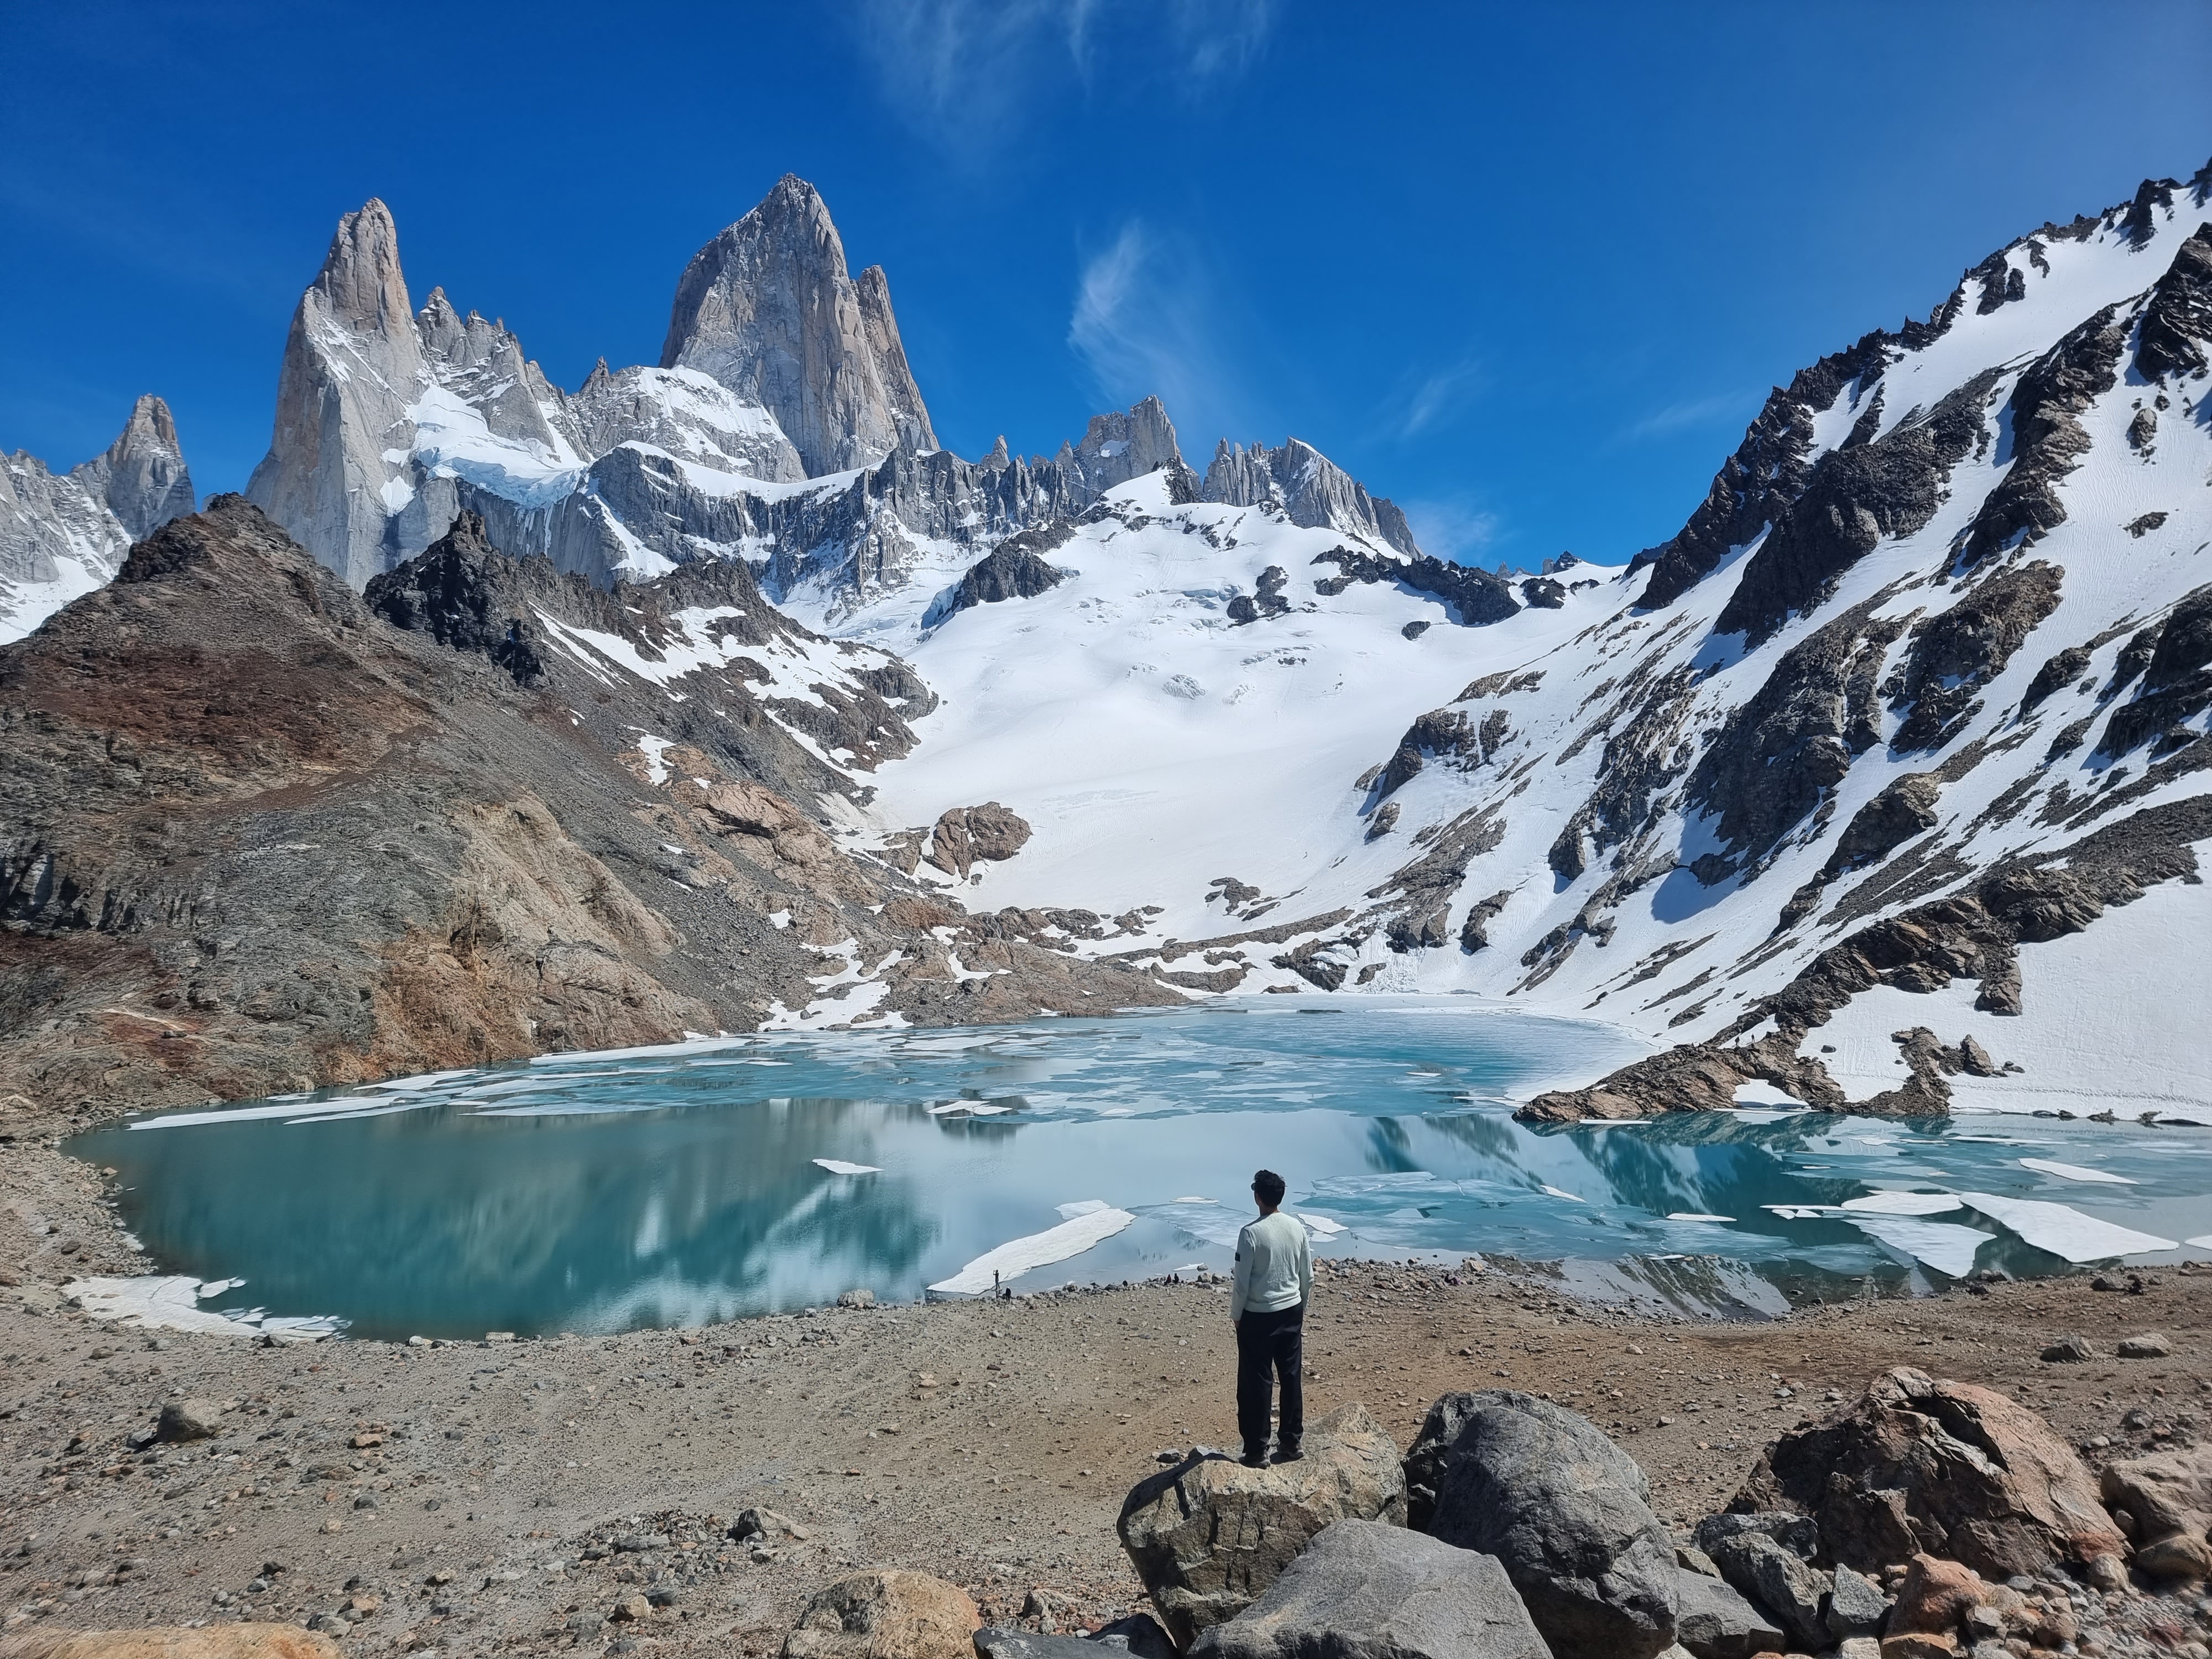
pixel 63 535
pixel 769 309
pixel 361 277
pixel 1304 484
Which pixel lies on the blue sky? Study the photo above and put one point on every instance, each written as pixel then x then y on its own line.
pixel 1527 269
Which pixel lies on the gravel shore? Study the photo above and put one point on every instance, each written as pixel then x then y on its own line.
pixel 511 1496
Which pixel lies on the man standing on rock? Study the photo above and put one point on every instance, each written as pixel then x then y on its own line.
pixel 1267 1305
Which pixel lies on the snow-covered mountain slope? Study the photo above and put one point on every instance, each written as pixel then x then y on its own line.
pixel 1921 688
pixel 62 535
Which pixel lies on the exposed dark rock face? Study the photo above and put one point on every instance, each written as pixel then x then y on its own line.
pixel 1542 594
pixel 1451 736
pixel 254 838
pixel 2055 676
pixel 2142 431
pixel 1795 738
pixel 1766 473
pixel 1424 889
pixel 2153 196
pixel 1474 932
pixel 2177 323
pixel 1955 654
pixel 450 592
pixel 2048 440
pixel 1856 495
pixel 1269 602
pixel 1903 810
pixel 2177 679
pixel 1471 598
pixel 1014 569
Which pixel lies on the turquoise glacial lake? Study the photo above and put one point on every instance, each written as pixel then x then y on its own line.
pixel 710 1180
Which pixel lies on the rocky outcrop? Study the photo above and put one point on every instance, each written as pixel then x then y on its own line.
pixel 1209 1535
pixel 62 535
pixel 1945 1468
pixel 886 1613
pixel 1568 1513
pixel 1902 809
pixel 2048 439
pixel 1957 652
pixel 967 835
pixel 1014 569
pixel 2176 332
pixel 1756 485
pixel 767 309
pixel 1782 748
pixel 1855 494
pixel 1471 598
pixel 1306 487
pixel 1365 1590
pixel 2176 680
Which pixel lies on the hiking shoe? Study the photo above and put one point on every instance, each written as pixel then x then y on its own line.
pixel 1289 1455
pixel 1254 1460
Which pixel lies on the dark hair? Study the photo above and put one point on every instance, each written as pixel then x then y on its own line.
pixel 1268 1186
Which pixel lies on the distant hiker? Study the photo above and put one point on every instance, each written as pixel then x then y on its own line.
pixel 1267 1305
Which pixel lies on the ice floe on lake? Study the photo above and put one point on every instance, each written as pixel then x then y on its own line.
pixel 1020 1256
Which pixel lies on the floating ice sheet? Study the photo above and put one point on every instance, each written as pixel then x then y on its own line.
pixel 1557 1192
pixel 2073 1171
pixel 2064 1231
pixel 1943 1245
pixel 1075 1207
pixel 838 1166
pixel 1692 1215
pixel 1325 1226
pixel 1902 1203
pixel 1019 1256
pixel 170 1301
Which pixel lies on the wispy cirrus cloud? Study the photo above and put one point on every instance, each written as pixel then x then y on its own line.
pixel 1424 398
pixel 1147 320
pixel 966 73
pixel 1457 530
pixel 1722 408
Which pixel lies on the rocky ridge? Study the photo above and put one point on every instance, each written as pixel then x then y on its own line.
pixel 260 833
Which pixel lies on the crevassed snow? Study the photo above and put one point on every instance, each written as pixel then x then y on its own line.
pixel 1020 1256
pixel 452 438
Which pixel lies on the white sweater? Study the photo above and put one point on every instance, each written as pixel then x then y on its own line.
pixel 1275 1267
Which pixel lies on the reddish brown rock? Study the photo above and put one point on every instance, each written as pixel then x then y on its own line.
pixel 1945 1468
pixel 888 1614
pixel 2169 1493
pixel 269 1641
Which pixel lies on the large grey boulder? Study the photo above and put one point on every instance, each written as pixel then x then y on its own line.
pixel 1365 1590
pixel 1568 1515
pixel 1209 1535
pixel 1768 1558
pixel 1424 1463
pixel 1713 1621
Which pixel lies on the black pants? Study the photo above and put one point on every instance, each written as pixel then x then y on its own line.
pixel 1271 1345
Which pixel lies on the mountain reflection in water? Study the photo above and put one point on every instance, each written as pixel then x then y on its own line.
pixel 679 1187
